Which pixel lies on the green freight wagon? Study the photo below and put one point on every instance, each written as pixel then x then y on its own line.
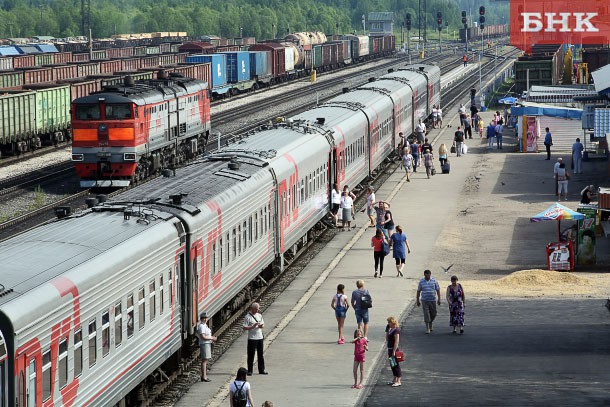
pixel 17 121
pixel 11 79
pixel 44 59
pixel 52 113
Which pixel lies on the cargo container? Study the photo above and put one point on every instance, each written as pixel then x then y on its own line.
pixel 98 55
pixel 37 75
pixel 50 48
pixel 277 51
pixel 8 51
pixel 62 58
pixel 18 121
pixel 90 68
pixel 44 59
pixel 62 72
pixel 238 66
pixel 260 66
pixel 130 64
pixel 80 57
pixel 23 61
pixel 6 64
pixel 110 66
pixel 27 49
pixel 218 70
pixel 149 61
pixel 52 109
pixel 11 79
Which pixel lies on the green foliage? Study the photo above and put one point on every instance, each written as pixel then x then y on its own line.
pixel 62 18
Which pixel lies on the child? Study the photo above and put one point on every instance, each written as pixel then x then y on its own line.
pixel 360 346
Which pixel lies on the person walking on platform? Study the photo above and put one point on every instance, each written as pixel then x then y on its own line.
pixel 473 115
pixel 499 130
pixel 420 131
pixel 428 162
pixel 240 392
pixel 462 113
pixel 254 324
pixel 458 139
pixel 430 293
pixel 426 145
pixel 465 59
pixel 434 117
pixel 457 301
pixel 407 162
pixel 360 348
pixel 347 204
pixel 392 334
pixel 370 206
pixel 467 128
pixel 335 197
pixel 377 243
pixel 439 113
pixel 204 334
pixel 562 181
pixel 491 133
pixel 388 223
pixel 548 142
pixel 380 209
pixel 340 304
pixel 577 149
pixel 415 153
pixel 361 308
pixel 480 126
pixel 555 170
pixel 442 154
pixel 400 248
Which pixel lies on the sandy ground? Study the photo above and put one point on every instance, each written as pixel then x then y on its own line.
pixel 494 248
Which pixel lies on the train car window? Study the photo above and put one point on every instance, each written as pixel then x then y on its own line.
pixel 262 218
pixel 46 375
pixel 88 112
pixel 120 111
pixel 141 308
pixel 161 296
pixel 105 334
pixel 256 226
pixel 228 242
pixel 234 235
pixel 220 253
pixel 152 300
pixel 78 353
pixel 31 385
pixel 212 262
pixel 170 281
pixel 63 363
pixel 250 231
pixel 130 316
pixel 268 216
pixel 239 240
pixel 245 235
pixel 118 325
pixel 92 343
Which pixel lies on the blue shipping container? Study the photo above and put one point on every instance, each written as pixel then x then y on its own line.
pixel 7 51
pixel 219 65
pixel 27 49
pixel 260 64
pixel 238 66
pixel 46 47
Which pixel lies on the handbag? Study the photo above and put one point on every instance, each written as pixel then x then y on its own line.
pixel 453 149
pixel 433 171
pixel 400 356
pixel 386 249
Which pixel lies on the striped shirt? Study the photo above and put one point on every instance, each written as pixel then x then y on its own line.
pixel 428 289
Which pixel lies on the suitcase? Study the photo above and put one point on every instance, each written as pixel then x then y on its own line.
pixel 446 167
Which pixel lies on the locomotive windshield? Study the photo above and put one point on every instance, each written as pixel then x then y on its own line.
pixel 122 111
pixel 88 112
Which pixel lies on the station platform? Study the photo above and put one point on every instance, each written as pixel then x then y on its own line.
pixel 308 368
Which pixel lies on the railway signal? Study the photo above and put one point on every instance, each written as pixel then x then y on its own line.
pixel 409 22
pixel 464 20
pixel 439 20
pixel 482 17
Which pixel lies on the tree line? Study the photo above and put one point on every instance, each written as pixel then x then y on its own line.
pixel 256 18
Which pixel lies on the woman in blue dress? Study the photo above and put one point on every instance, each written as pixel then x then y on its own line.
pixel 400 246
pixel 456 300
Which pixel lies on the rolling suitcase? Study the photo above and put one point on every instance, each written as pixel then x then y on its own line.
pixel 445 168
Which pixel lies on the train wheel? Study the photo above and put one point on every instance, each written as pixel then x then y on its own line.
pixel 255 87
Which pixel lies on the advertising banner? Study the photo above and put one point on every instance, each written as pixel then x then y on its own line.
pixel 559 22
pixel 530 126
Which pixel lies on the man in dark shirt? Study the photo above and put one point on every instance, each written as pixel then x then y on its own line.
pixel 473 114
pixel 415 153
pixel 458 139
pixel 467 128
pixel 426 145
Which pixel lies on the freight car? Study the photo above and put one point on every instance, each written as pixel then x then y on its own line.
pixel 490 31
pixel 34 116
pixel 544 66
pixel 126 133
pixel 92 304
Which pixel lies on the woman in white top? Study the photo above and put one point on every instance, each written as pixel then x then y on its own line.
pixel 239 385
pixel 347 203
pixel 370 206
pixel 335 199
pixel 434 116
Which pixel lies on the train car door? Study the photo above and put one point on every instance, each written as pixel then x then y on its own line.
pixel 3 375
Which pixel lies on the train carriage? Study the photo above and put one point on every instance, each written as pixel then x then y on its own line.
pixel 432 73
pixel 419 90
pixel 79 314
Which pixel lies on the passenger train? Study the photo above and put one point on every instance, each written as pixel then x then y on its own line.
pixel 91 305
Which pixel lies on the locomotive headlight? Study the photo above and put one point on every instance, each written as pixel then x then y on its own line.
pixel 102 128
pixel 129 156
pixel 78 157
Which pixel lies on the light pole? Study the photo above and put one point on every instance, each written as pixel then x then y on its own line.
pixel 363 25
pixel 241 32
pixel 273 31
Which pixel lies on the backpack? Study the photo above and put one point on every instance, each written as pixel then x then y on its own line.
pixel 240 398
pixel 366 301
pixel 386 251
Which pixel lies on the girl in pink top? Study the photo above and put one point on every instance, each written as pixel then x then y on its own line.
pixel 360 347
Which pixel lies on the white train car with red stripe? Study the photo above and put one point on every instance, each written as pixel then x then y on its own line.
pixel 94 303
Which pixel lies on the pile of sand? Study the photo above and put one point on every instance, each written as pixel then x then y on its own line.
pixel 541 283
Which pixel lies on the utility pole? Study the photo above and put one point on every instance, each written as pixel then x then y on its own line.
pixel 439 20
pixel 409 36
pixel 363 25
pixel 465 22
pixel 482 27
